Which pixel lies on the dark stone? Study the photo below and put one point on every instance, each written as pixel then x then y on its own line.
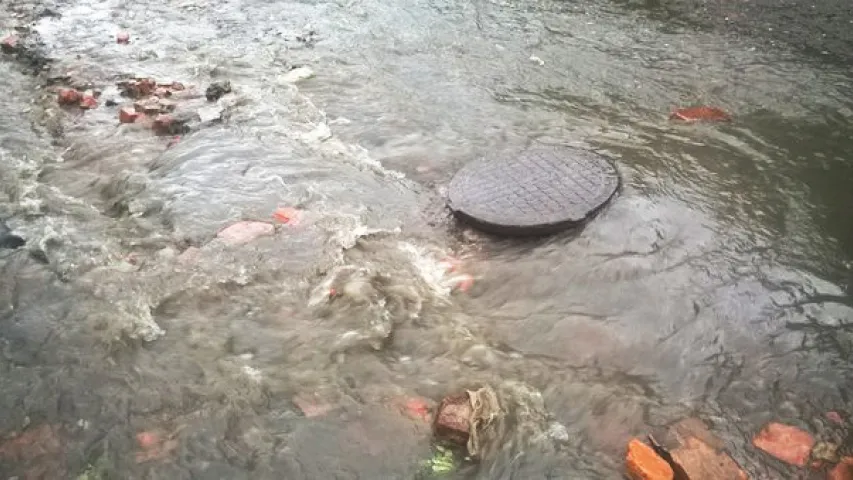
pixel 537 191
pixel 11 241
pixel 216 90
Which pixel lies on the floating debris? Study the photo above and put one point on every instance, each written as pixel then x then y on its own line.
pixel 443 462
pixel 462 417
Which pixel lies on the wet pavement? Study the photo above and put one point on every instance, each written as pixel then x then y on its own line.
pixel 261 294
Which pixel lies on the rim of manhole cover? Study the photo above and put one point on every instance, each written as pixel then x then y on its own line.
pixel 539 190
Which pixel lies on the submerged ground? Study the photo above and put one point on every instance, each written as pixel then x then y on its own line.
pixel 716 285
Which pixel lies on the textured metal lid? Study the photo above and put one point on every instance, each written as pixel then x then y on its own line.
pixel 539 190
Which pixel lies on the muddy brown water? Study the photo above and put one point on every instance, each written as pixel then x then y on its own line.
pixel 716 285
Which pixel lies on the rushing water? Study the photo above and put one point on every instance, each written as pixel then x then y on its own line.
pixel 716 285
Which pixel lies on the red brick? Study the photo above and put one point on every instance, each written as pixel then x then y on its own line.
pixel 244 232
pixel 842 471
pixel 642 463
pixel 123 38
pixel 9 44
pixel 453 418
pixel 88 100
pixel 700 461
pixel 68 96
pixel 693 114
pixel 787 443
pixel 162 123
pixel 127 115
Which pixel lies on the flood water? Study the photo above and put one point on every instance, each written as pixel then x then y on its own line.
pixel 716 285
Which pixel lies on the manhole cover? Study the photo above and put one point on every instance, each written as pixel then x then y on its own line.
pixel 537 191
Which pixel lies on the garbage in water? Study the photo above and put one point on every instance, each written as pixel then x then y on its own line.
pixel 442 462
pixel 696 114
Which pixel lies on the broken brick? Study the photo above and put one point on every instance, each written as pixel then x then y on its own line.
pixel 163 123
pixel 695 114
pixel 9 44
pixel 312 405
pixel 698 461
pixel 189 256
pixel 151 107
pixel 417 408
pixel 453 419
pixel 147 439
pixel 123 38
pixel 642 463
pixel 787 443
pixel 127 115
pixel 88 100
pixel 287 215
pixel 40 449
pixel 138 88
pixel 162 91
pixel 835 418
pixel 842 471
pixel 68 96
pixel 244 232
pixel 154 446
pixel 166 105
pixel 32 443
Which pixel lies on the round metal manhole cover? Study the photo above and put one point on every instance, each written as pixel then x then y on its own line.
pixel 540 190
